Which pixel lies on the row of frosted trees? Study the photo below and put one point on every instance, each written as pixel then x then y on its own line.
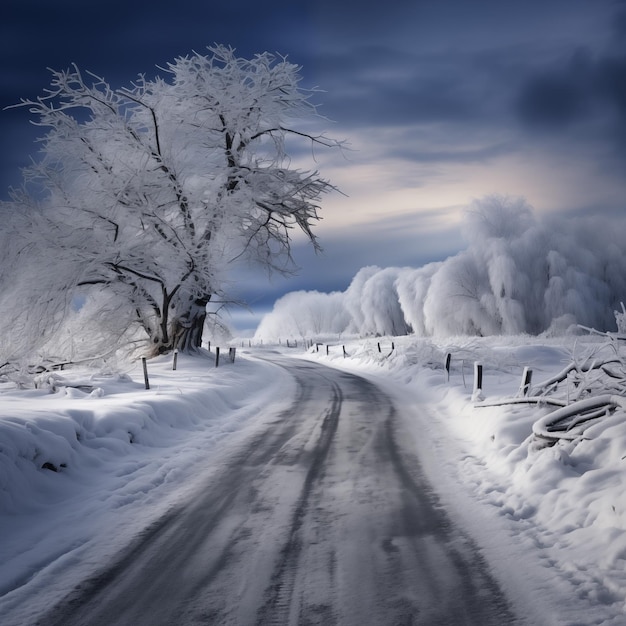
pixel 519 274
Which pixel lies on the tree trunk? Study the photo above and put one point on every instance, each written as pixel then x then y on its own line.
pixel 186 329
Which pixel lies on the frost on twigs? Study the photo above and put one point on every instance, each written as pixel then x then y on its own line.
pixel 590 387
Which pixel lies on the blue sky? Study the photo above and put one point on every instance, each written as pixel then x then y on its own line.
pixel 441 102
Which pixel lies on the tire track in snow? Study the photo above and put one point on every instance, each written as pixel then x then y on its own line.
pixel 277 607
pixel 322 517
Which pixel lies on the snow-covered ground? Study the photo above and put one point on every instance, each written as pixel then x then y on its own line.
pixel 124 455
pixel 551 519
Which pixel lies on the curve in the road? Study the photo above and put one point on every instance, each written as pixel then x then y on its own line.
pixel 324 517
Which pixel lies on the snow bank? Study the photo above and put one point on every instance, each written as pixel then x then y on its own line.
pixel 519 274
pixel 80 419
pixel 91 458
pixel 561 505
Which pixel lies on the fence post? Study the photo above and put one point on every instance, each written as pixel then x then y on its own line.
pixel 527 378
pixel 379 347
pixel 326 349
pixel 145 372
pixel 175 361
pixel 447 366
pixel 231 354
pixel 217 356
pixel 344 351
pixel 478 379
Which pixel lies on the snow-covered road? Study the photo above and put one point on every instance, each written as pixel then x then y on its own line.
pixel 323 516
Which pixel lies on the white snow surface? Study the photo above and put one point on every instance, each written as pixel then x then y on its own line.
pixel 125 455
pixel 550 520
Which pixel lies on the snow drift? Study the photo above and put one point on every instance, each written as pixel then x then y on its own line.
pixel 519 274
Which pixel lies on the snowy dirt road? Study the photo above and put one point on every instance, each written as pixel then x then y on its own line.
pixel 323 517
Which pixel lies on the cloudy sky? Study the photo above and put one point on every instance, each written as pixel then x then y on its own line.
pixel 441 101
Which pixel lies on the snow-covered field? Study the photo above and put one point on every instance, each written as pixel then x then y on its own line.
pixel 82 470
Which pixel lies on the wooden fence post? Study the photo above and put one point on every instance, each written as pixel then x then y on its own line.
pixel 175 361
pixel 326 349
pixel 344 351
pixel 447 366
pixel 145 372
pixel 379 347
pixel 478 378
pixel 527 378
pixel 217 356
pixel 231 354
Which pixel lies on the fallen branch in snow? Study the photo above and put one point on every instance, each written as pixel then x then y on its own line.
pixel 559 423
pixel 527 400
pixel 547 385
pixel 591 386
pixel 593 331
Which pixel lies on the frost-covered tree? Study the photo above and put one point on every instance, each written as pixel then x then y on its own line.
pixel 149 192
pixel 372 298
pixel 306 315
pixel 521 273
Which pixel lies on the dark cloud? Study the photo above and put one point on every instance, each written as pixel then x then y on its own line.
pixel 618 28
pixel 585 96
pixel 118 39
pixel 389 87
pixel 555 99
pixel 612 82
